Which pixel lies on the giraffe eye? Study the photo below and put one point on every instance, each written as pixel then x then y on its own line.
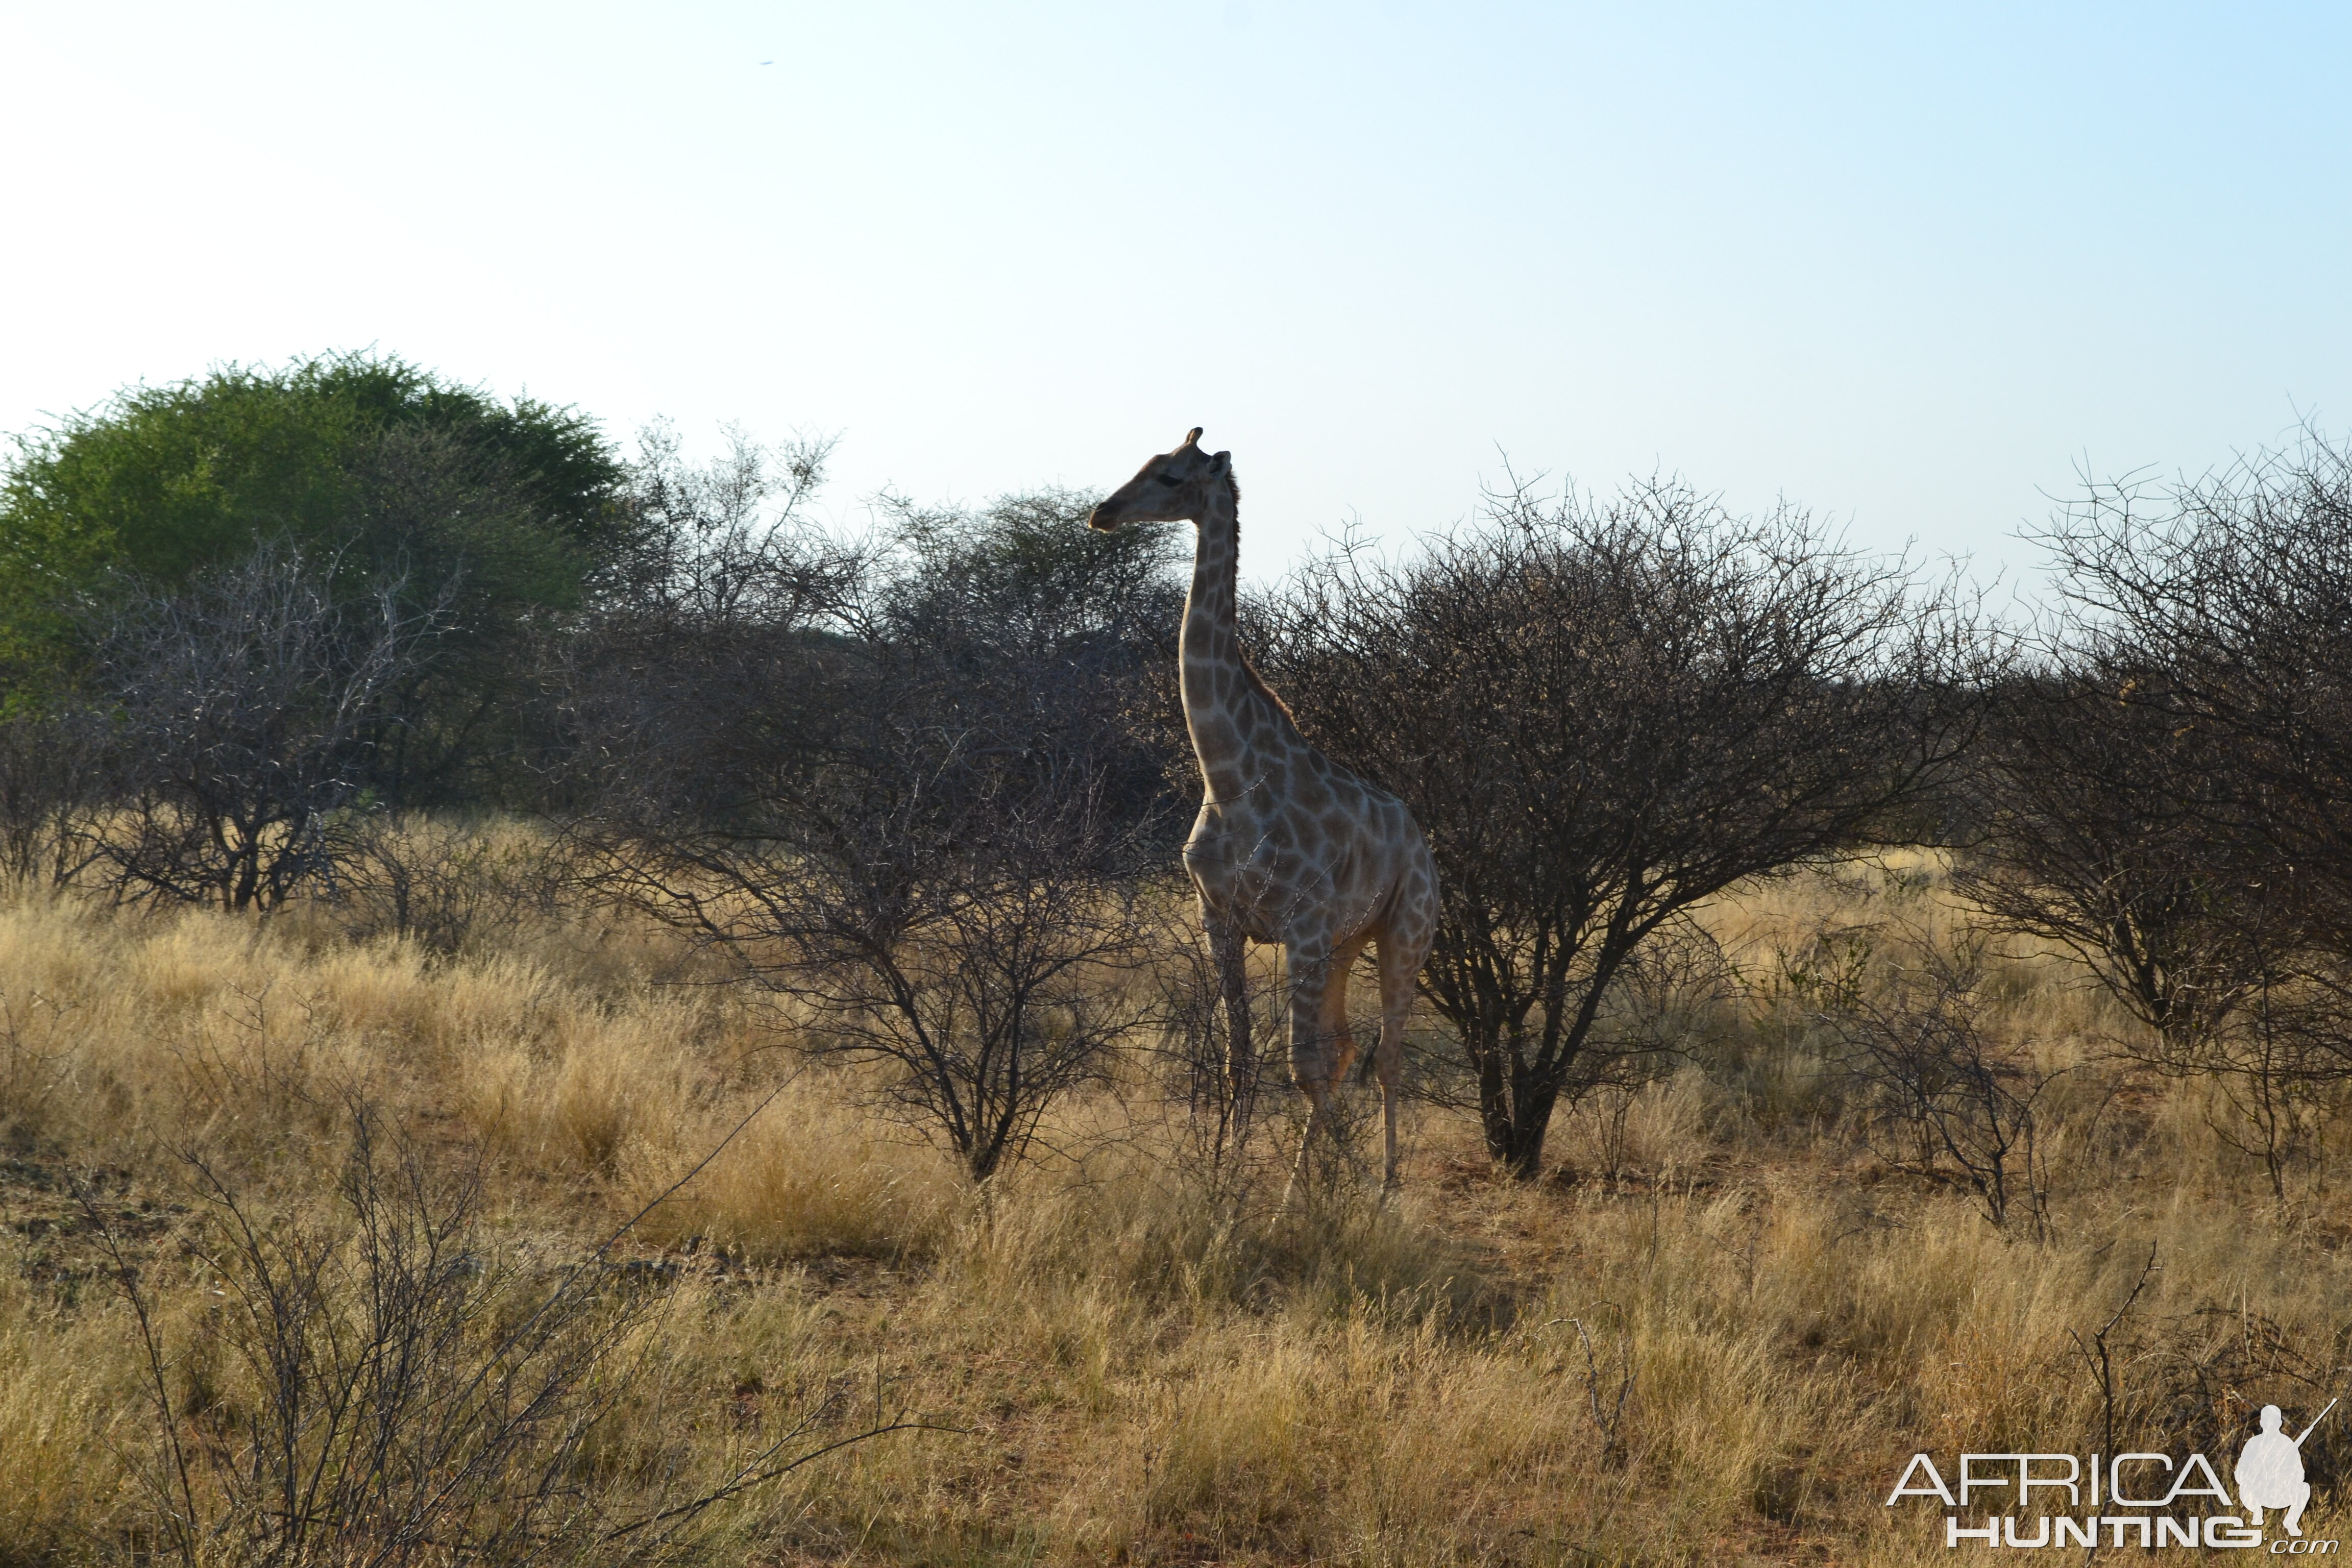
pixel 1166 479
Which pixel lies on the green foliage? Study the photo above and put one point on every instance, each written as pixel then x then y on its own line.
pixel 368 459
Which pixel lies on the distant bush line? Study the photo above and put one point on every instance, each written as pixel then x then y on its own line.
pixel 251 625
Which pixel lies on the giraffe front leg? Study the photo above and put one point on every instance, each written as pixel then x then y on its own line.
pixel 1229 951
pixel 1400 961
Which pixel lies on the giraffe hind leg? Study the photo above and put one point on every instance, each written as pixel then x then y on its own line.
pixel 1314 1049
pixel 1323 1048
pixel 1339 1040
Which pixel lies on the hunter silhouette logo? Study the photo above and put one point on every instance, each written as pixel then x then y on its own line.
pixel 2270 1470
pixel 2127 1499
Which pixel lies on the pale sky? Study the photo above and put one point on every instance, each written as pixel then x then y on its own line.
pixel 1907 266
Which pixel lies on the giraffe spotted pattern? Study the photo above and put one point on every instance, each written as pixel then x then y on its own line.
pixel 1289 847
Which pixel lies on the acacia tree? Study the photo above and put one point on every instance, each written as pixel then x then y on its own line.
pixel 895 790
pixel 2097 836
pixel 1082 621
pixel 1605 714
pixel 947 905
pixel 2236 590
pixel 705 675
pixel 2229 597
pixel 246 708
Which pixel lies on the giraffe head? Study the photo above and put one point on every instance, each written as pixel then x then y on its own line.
pixel 1173 487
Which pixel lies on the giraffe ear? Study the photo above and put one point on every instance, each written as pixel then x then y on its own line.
pixel 1191 440
pixel 1221 461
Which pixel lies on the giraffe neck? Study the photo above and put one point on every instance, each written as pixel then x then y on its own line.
pixel 1225 709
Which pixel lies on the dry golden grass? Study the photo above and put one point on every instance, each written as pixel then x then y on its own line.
pixel 1722 1341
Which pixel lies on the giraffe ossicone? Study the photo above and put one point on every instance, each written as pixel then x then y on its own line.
pixel 1289 847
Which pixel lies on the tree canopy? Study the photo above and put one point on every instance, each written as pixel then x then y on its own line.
pixel 378 464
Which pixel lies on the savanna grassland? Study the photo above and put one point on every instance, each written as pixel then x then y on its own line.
pixel 313 1238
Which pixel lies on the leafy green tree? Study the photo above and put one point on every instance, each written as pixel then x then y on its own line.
pixel 493 512
pixel 366 458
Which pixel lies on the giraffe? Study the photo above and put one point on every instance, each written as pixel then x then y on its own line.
pixel 1289 847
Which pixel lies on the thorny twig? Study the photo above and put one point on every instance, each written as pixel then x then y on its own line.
pixel 1607 1422
pixel 2101 1367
